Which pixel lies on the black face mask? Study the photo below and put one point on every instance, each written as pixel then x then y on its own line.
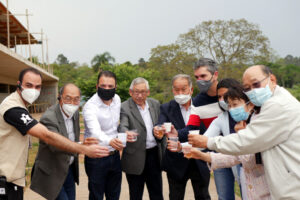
pixel 106 94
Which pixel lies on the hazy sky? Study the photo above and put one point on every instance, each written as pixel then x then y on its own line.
pixel 128 29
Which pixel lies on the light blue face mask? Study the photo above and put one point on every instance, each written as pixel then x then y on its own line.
pixel 259 96
pixel 223 105
pixel 239 114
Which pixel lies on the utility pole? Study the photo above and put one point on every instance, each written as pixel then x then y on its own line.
pixel 28 35
pixel 7 20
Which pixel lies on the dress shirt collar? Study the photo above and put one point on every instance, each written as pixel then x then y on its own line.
pixel 183 108
pixel 102 104
pixel 146 106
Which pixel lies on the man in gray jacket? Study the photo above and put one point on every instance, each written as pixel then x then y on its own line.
pixel 55 172
pixel 275 132
pixel 141 159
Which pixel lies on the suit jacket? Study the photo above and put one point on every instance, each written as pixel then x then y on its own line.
pixel 51 164
pixel 134 154
pixel 174 163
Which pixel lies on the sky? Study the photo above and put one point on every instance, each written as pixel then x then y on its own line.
pixel 129 29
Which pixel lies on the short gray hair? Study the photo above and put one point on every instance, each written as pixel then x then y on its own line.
pixel 183 76
pixel 211 65
pixel 139 80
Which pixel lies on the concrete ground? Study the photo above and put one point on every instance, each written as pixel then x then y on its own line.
pixel 82 189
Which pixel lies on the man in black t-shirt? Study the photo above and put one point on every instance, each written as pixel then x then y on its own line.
pixel 16 125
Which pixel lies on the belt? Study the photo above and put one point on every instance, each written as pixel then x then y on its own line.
pixel 113 152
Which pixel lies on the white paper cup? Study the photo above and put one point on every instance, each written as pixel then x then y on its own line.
pixel 123 138
pixel 174 143
pixel 194 132
pixel 168 126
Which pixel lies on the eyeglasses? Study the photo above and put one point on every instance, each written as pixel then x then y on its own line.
pixel 255 85
pixel 142 92
pixel 69 100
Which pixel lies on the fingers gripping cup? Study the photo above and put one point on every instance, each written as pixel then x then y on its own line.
pixel 133 135
pixel 174 143
pixel 160 130
pixel 123 138
pixel 186 148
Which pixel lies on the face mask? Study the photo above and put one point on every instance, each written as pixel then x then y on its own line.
pixel 70 109
pixel 204 85
pixel 259 96
pixel 239 114
pixel 223 105
pixel 30 95
pixel 106 94
pixel 182 98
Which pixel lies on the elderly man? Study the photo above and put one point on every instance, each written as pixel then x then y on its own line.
pixel 141 159
pixel 179 169
pixel 16 125
pixel 53 177
pixel 275 133
pixel 101 118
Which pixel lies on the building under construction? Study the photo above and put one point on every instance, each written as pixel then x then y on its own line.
pixel 13 33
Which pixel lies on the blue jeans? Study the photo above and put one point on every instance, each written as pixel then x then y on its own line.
pixel 105 177
pixel 68 191
pixel 224 180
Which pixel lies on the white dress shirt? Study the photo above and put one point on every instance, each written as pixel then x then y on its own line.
pixel 185 113
pixel 150 141
pixel 70 129
pixel 100 120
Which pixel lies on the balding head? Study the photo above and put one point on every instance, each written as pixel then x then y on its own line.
pixel 258 76
pixel 69 94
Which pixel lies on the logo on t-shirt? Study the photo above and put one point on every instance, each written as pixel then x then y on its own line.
pixel 26 119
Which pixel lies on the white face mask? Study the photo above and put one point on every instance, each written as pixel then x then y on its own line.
pixel 30 95
pixel 70 109
pixel 182 98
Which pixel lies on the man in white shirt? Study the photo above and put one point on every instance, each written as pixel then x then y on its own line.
pixel 141 159
pixel 101 118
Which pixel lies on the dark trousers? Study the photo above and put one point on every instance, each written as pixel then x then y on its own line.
pixel 200 186
pixel 13 192
pixel 105 177
pixel 68 191
pixel 151 175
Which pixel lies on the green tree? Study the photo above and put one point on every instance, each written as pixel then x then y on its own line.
pixel 233 42
pixel 125 74
pixel 101 59
pixel 62 60
pixel 168 61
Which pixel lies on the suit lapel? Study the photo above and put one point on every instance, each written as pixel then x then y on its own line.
pixel 135 112
pixel 152 112
pixel 61 121
pixel 75 119
pixel 177 115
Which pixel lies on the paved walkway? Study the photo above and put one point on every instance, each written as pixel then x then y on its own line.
pixel 82 191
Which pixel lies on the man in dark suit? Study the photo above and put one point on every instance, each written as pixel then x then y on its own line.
pixel 55 172
pixel 141 159
pixel 179 169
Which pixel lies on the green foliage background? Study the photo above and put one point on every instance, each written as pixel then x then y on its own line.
pixel 234 44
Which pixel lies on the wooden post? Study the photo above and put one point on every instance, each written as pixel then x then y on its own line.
pixel 15 43
pixel 7 19
pixel 43 62
pixel 47 55
pixel 28 35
